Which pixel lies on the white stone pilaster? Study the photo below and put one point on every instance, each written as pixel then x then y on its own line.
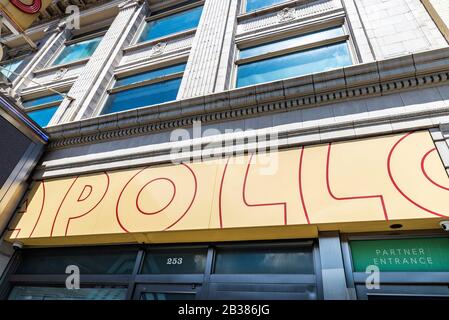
pixel 359 36
pixel 210 51
pixel 91 81
pixel 58 35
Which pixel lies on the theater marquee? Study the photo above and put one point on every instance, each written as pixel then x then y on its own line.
pixel 361 185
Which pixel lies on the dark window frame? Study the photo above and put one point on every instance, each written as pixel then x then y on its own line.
pixel 200 282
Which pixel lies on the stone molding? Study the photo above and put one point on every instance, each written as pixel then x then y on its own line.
pixel 288 12
pixel 359 81
pixel 288 136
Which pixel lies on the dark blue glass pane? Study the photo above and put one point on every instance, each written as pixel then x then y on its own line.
pixel 265 261
pixel 291 42
pixel 172 24
pixel 252 5
pixel 143 96
pixel 294 64
pixel 43 116
pixel 77 51
pixel 89 260
pixel 153 74
pixel 43 100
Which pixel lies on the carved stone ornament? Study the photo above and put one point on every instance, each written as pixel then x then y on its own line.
pixel 158 48
pixel 60 74
pixel 286 14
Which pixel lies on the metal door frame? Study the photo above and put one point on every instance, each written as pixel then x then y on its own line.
pixel 166 288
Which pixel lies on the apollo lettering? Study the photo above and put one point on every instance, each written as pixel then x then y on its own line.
pixel 389 178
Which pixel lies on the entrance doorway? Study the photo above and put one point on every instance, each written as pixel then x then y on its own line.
pixel 284 270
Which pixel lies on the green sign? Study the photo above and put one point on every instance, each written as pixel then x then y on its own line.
pixel 425 254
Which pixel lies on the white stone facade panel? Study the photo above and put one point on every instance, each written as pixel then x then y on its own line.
pixel 150 52
pixel 399 27
pixel 56 75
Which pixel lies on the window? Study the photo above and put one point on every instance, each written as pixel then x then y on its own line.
pixel 265 261
pixel 175 23
pixel 175 262
pixel 145 89
pixel 9 68
pixel 252 5
pixel 293 57
pixel 54 261
pixel 278 270
pixel 41 110
pixel 77 51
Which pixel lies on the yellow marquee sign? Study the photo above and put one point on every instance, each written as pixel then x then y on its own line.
pixel 361 185
pixel 23 12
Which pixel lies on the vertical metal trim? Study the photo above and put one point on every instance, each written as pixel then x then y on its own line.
pixel 347 263
pixel 204 293
pixel 318 270
pixel 137 266
pixel 332 266
pixel 5 284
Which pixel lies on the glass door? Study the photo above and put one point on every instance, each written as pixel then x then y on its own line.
pixel 167 292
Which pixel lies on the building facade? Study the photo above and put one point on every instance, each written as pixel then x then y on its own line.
pixel 234 149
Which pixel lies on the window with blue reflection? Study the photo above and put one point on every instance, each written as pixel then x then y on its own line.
pixel 142 96
pixel 291 42
pixel 77 51
pixel 43 100
pixel 153 74
pixel 294 64
pixel 172 24
pixel 8 68
pixel 252 5
pixel 43 116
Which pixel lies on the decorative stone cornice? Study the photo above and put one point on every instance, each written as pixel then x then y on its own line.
pixel 358 81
